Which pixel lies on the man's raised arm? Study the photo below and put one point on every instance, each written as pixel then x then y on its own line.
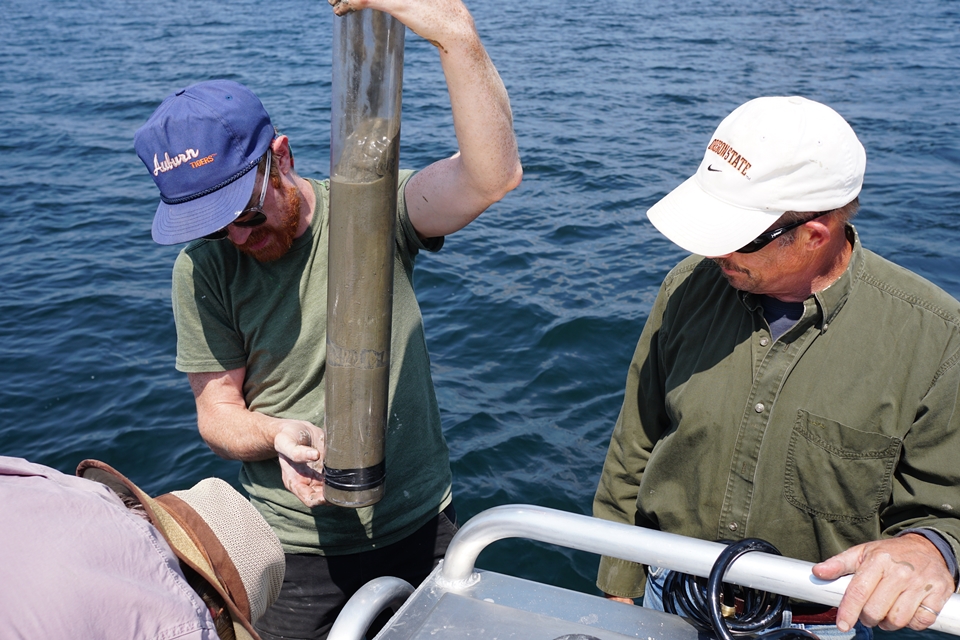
pixel 448 194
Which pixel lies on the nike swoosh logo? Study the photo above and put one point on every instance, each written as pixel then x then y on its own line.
pixel 710 168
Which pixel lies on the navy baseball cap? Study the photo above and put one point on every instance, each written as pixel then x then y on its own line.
pixel 200 146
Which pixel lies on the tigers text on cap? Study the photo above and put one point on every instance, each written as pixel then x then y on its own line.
pixel 217 533
pixel 770 156
pixel 202 146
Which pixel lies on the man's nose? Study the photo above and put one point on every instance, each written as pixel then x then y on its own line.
pixel 238 235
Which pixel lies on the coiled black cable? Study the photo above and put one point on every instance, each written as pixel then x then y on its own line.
pixel 706 601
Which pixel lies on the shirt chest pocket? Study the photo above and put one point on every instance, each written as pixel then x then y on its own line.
pixel 836 472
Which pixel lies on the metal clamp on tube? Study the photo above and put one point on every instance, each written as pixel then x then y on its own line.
pixel 364 152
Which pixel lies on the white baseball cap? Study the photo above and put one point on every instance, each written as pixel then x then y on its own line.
pixel 770 156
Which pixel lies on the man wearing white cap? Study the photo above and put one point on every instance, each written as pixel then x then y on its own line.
pixel 249 298
pixel 791 385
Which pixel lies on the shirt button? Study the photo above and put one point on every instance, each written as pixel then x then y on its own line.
pixel 764 342
pixel 732 526
pixel 758 407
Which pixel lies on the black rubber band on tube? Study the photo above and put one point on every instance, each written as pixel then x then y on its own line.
pixel 355 479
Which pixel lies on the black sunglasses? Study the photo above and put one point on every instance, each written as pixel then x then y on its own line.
pixel 251 216
pixel 767 237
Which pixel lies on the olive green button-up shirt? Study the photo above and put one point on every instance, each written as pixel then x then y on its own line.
pixel 846 429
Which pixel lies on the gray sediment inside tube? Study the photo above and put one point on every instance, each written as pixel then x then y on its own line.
pixel 359 306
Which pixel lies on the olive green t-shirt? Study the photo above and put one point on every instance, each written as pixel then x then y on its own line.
pixel 843 430
pixel 232 311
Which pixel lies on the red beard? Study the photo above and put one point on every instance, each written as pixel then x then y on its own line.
pixel 280 236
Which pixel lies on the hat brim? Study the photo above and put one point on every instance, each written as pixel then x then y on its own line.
pixel 181 540
pixel 703 224
pixel 176 223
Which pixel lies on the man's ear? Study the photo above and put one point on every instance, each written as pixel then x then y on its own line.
pixel 282 154
pixel 817 233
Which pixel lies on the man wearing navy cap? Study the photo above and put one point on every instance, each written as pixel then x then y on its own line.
pixel 249 299
pixel 791 385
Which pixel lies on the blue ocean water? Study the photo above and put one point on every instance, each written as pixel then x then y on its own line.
pixel 531 313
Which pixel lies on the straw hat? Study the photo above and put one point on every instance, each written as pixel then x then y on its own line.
pixel 230 555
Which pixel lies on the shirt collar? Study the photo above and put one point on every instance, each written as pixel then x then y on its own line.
pixel 832 299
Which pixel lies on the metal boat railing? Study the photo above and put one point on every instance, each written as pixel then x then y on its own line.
pixel 756 570
pixel 366 604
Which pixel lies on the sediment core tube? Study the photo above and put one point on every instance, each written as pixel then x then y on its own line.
pixel 364 156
